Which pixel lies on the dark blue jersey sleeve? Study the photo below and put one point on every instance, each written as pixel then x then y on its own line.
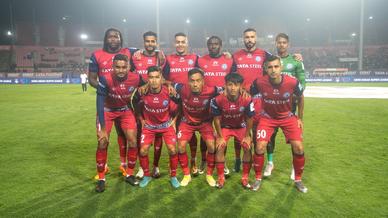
pixel 214 108
pixel 298 90
pixel 102 91
pixel 234 67
pixel 254 88
pixel 93 65
pixel 250 109
pixel 132 50
pixel 166 71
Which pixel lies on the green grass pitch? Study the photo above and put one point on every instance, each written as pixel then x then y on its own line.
pixel 47 161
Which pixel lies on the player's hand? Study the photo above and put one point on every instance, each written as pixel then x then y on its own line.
pixel 171 90
pixel 227 54
pixel 138 53
pixel 300 124
pixel 143 89
pixel 162 57
pixel 298 57
pixel 102 135
pixel 246 142
pixel 220 142
pixel 244 93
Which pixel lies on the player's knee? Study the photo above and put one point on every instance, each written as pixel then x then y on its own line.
pixel 297 147
pixel 103 144
pixel 143 151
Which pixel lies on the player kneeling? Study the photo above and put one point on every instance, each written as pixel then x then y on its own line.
pixel 233 117
pixel 154 114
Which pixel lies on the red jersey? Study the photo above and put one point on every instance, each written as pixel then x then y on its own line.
pixel 101 62
pixel 155 108
pixel 195 107
pixel 215 69
pixel 250 65
pixel 140 65
pixel 233 114
pixel 118 92
pixel 177 67
pixel 277 99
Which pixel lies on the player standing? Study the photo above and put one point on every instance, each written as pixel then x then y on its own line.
pixel 291 67
pixel 277 91
pixel 101 65
pixel 113 95
pixel 140 62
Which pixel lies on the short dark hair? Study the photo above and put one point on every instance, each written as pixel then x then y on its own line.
pixel 272 58
pixel 151 69
pixel 105 46
pixel 282 35
pixel 180 34
pixel 234 78
pixel 120 57
pixel 214 37
pixel 249 30
pixel 194 71
pixel 150 33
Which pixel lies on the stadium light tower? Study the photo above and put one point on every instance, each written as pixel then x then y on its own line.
pixel 246 21
pixel 370 17
pixel 124 20
pixel 9 33
pixel 188 21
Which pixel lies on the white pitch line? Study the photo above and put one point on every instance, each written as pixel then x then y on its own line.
pixel 346 92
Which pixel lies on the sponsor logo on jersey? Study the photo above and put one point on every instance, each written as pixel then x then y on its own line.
pixel 289 66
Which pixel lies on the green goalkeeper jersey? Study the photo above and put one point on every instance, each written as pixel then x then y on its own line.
pixel 294 68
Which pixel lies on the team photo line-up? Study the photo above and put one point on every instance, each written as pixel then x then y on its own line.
pixel 151 97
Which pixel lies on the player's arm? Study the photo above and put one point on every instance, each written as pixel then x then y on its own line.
pixel 300 98
pixel 300 74
pixel 216 112
pixel 93 72
pixel 249 113
pixel 298 57
pixel 102 92
pixel 254 90
pixel 135 105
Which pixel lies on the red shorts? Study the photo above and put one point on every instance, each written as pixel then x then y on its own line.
pixel 288 125
pixel 125 119
pixel 238 134
pixel 186 131
pixel 148 135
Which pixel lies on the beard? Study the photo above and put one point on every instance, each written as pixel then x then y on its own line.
pixel 250 45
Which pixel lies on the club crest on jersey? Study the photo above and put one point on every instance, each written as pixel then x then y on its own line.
pixel 276 92
pixel 190 62
pixel 242 109
pixel 258 58
pixel 165 103
pixel 205 101
pixel 131 88
pixel 286 95
pixel 289 66
pixel 224 66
